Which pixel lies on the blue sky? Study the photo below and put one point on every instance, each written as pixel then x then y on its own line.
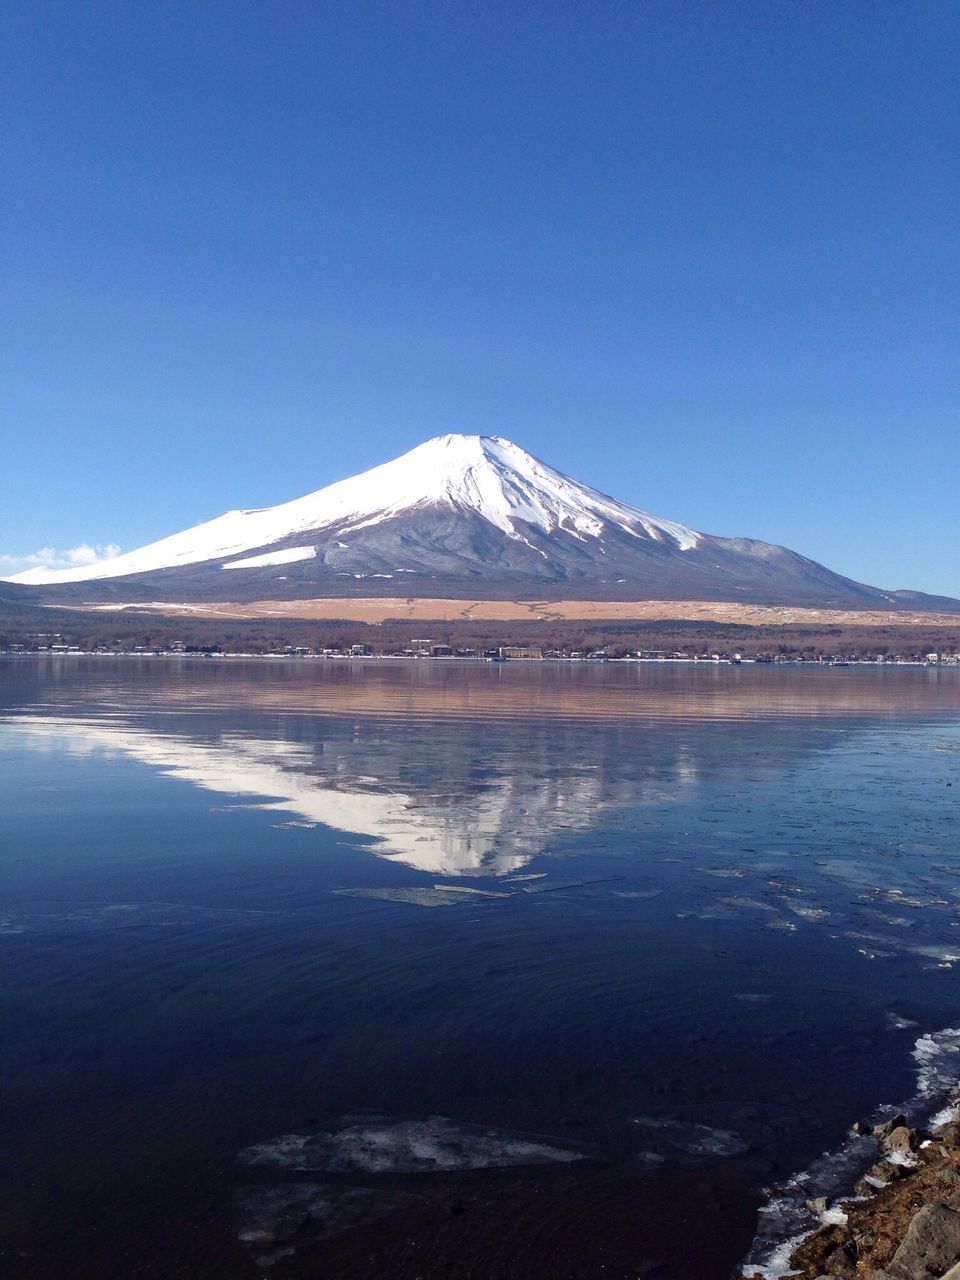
pixel 701 256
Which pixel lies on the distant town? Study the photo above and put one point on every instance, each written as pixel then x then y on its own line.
pixel 54 645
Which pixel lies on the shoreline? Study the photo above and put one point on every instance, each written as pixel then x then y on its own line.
pixel 902 1219
pixel 885 1203
pixel 473 659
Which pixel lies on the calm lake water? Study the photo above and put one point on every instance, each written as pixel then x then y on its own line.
pixel 423 969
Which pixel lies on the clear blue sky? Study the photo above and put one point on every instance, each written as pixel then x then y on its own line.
pixel 702 256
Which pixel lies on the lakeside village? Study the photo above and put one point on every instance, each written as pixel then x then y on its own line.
pixel 53 645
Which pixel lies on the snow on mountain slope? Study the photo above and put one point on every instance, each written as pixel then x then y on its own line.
pixel 484 475
pixel 290 556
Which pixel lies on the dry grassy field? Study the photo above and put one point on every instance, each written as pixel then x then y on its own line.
pixel 413 609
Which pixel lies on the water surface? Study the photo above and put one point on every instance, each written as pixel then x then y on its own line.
pixel 448 969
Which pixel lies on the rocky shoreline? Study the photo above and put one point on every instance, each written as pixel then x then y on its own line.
pixel 902 1221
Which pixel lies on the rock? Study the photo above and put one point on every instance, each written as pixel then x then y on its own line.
pixel 895 1122
pixel 948 1177
pixel 931 1245
pixel 842 1261
pixel 817 1205
pixel 948 1135
pixel 902 1139
pixel 863 1128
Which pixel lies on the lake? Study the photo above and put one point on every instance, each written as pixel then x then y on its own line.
pixel 426 969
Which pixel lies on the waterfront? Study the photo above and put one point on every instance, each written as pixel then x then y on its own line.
pixel 672 928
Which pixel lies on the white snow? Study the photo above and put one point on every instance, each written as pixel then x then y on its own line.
pixel 486 475
pixel 273 557
pixel 834 1217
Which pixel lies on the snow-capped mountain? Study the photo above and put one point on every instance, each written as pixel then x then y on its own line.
pixel 458 515
pixel 477 475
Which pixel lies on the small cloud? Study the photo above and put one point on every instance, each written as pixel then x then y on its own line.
pixel 87 554
pixel 84 553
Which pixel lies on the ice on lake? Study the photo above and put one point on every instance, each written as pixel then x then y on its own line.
pixel 379 1144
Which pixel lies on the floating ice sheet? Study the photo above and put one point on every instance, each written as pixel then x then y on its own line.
pixel 449 895
pixel 808 912
pixel 379 1144
pixel 423 896
pixel 650 1159
pixel 700 1141
pixel 897 1023
pixel 277 1220
pixel 466 890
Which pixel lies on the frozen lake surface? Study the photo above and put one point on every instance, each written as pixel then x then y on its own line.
pixel 425 969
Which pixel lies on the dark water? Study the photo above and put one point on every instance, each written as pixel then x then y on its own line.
pixel 645 939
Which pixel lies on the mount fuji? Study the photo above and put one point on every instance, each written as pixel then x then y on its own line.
pixel 459 516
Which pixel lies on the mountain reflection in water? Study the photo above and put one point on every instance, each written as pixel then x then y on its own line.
pixel 355 746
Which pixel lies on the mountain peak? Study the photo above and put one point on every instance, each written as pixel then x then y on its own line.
pixel 496 479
